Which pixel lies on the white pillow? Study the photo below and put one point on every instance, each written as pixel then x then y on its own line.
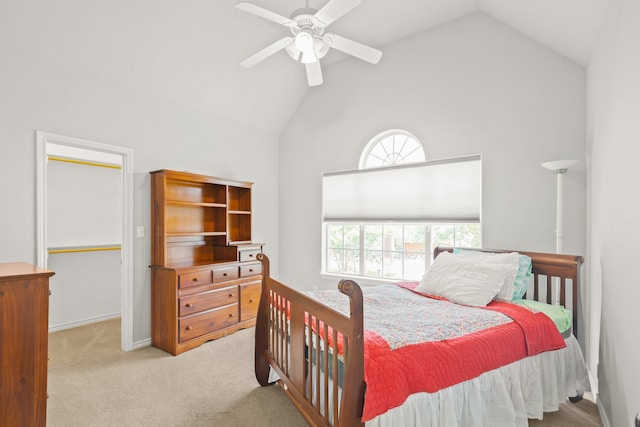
pixel 469 280
pixel 511 262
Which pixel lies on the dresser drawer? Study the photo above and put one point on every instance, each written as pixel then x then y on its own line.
pixel 209 321
pixel 195 278
pixel 207 300
pixel 249 300
pixel 250 270
pixel 225 273
pixel 249 255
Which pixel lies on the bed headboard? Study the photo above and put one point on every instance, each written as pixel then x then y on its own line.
pixel 566 268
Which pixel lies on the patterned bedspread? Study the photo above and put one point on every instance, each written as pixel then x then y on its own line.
pixel 415 343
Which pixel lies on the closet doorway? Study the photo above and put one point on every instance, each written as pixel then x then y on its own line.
pixel 84 208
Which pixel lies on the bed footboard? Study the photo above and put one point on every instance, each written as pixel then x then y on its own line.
pixel 317 352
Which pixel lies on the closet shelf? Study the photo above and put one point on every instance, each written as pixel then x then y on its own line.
pixel 92 248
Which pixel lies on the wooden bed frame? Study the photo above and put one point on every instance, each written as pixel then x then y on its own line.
pixel 297 353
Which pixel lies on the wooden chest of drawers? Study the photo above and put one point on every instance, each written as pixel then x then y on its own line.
pixel 196 304
pixel 24 334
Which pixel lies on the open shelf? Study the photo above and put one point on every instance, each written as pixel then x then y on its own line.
pixel 195 191
pixel 203 204
pixel 239 199
pixel 194 217
pixel 203 233
pixel 239 227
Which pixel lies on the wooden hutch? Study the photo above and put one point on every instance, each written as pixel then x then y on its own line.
pixel 205 278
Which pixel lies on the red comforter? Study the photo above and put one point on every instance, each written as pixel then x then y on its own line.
pixel 391 375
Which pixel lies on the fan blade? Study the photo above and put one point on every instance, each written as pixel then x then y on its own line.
pixel 266 52
pixel 334 10
pixel 264 13
pixel 314 73
pixel 353 48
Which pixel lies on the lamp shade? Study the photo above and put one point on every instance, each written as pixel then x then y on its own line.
pixel 559 166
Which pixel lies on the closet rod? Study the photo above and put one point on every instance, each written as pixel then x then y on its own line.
pixel 83 249
pixel 84 162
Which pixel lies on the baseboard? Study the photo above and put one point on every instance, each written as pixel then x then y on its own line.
pixel 593 383
pixel 83 322
pixel 603 414
pixel 142 343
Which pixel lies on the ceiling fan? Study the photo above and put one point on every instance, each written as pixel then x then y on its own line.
pixel 309 42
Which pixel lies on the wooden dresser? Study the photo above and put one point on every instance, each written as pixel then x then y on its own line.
pixel 24 324
pixel 205 277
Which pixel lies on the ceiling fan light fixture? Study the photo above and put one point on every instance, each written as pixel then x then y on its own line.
pixel 304 41
pixel 320 48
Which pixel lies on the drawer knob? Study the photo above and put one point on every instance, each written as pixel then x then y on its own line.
pixel 230 314
pixel 224 274
pixel 250 255
pixel 189 328
pixel 195 279
pixel 188 305
pixel 251 300
pixel 230 295
pixel 251 270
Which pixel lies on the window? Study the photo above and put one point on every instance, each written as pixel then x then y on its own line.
pixel 392 147
pixel 391 250
pixel 384 220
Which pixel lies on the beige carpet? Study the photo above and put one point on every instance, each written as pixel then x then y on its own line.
pixel 93 383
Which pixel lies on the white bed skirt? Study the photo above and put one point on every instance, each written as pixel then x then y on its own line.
pixel 504 397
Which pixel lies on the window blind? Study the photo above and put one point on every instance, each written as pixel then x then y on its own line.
pixel 446 190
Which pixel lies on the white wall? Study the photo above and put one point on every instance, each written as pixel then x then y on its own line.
pixel 85 289
pixel 43 92
pixel 471 86
pixel 613 151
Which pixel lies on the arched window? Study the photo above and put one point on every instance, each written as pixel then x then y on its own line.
pixel 392 147
pixel 364 239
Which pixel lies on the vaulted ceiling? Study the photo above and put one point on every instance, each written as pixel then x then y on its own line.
pixel 569 27
pixel 189 51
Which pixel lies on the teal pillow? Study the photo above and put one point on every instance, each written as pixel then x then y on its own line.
pixel 523 275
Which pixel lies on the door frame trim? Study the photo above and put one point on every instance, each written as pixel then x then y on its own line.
pixel 42 138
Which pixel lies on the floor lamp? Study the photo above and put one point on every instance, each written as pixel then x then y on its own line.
pixel 559 167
